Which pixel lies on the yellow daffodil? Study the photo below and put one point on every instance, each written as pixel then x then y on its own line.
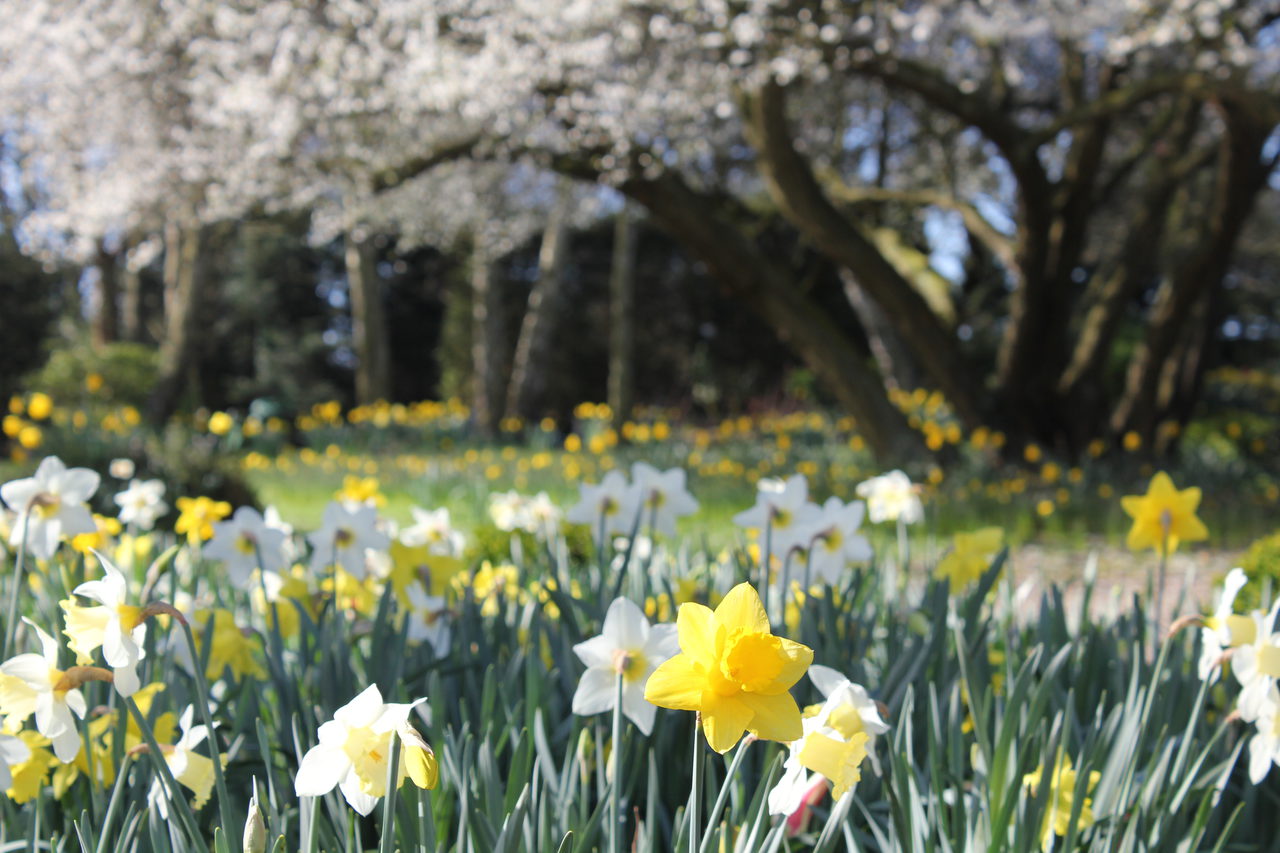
pixel 1062 787
pixel 1164 516
pixel 355 750
pixel 733 671
pixel 970 556
pixel 232 647
pixel 197 517
pixel 360 491
pixel 839 760
pixel 29 776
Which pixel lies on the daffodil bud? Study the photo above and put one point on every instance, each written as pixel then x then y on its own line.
pixel 255 828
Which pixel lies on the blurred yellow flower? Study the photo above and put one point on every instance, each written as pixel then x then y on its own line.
pixel 360 490
pixel 197 516
pixel 40 406
pixel 1062 787
pixel 1164 516
pixel 970 556
pixel 220 423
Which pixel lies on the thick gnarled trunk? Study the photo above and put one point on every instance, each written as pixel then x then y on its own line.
pixel 622 319
pixel 486 342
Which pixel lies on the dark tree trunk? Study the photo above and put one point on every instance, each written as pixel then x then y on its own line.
pixel 530 372
pixel 106 317
pixel 622 320
pixel 486 342
pixel 185 279
pixel 368 321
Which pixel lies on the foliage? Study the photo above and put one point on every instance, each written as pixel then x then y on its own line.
pixel 1261 562
pixel 118 374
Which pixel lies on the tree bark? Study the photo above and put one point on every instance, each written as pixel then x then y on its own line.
pixel 185 280
pixel 486 342
pixel 1241 176
pixel 796 191
pixel 526 393
pixel 369 336
pixel 106 318
pixel 131 305
pixel 765 288
pixel 622 318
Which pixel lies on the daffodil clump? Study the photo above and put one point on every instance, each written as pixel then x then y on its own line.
pixel 174 683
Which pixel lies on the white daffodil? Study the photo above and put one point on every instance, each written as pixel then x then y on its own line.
pixel 47 692
pixel 344 535
pixel 188 767
pixel 1264 747
pixel 663 497
pixel 781 513
pixel 50 505
pixel 628 646
pixel 1225 629
pixel 434 530
pixel 118 627
pixel 507 509
pixel 12 752
pixel 891 497
pixel 543 516
pixel 848 715
pixel 834 541
pixel 606 508
pixel 1256 664
pixel 429 619
pixel 243 543
pixel 355 750
pixel 142 503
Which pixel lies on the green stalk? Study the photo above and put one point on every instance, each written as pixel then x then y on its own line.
pixel 117 794
pixel 615 792
pixel 695 788
pixel 19 563
pixel 219 778
pixel 387 844
pixel 723 796
pixel 171 789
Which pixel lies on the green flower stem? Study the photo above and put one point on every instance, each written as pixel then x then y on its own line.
pixel 615 792
pixel 387 844
pixel 113 807
pixel 19 563
pixel 723 796
pixel 695 788
pixel 171 789
pixel 219 778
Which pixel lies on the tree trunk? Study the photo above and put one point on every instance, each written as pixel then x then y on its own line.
pixel 369 336
pixel 526 393
pixel 622 316
pixel 185 279
pixel 797 193
pixel 486 342
pixel 768 290
pixel 131 305
pixel 106 317
pixel 1241 176
pixel 896 366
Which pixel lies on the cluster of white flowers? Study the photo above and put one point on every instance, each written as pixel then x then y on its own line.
pixel 1252 645
pixel 512 511
pixel 653 501
pixel 787 521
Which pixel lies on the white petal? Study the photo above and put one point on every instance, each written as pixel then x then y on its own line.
pixel 76 519
pixel 78 484
pixel 637 708
pixel 31 668
pixel 13 750
pixel 362 710
pixel 126 680
pixel 625 625
pixel 595 691
pixel 1260 758
pixel 360 801
pixel 826 679
pixel 321 769
pixel 664 642
pixel 598 651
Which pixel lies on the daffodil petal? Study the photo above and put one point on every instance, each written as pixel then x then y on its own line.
pixel 678 683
